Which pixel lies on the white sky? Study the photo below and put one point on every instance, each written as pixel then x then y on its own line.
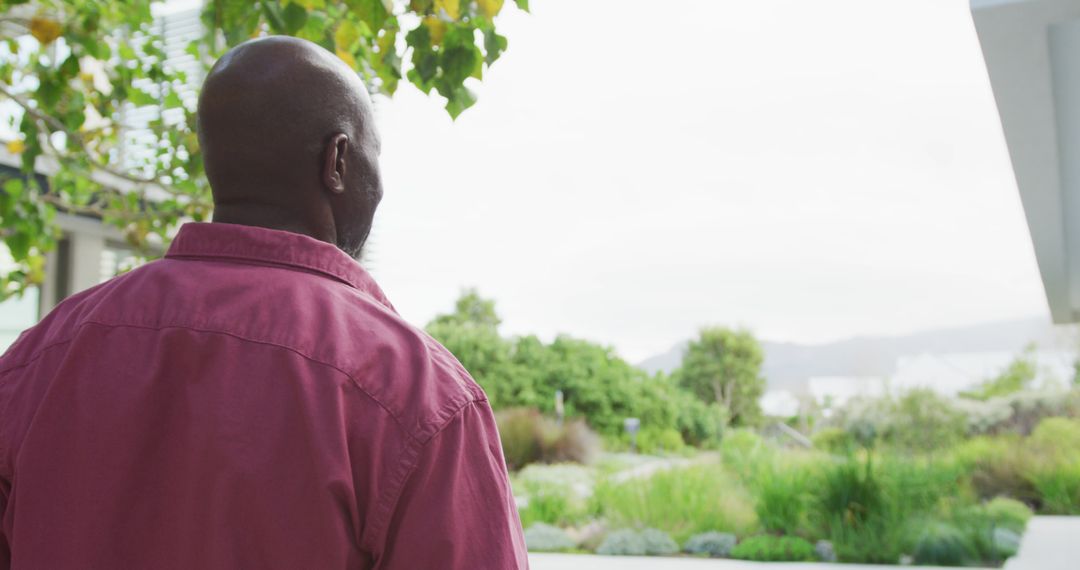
pixel 812 170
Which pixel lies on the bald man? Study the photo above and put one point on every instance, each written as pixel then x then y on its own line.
pixel 253 401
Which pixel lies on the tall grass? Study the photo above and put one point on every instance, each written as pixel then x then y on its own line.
pixel 551 504
pixel 780 498
pixel 868 509
pixel 681 502
pixel 1057 481
pixel 1054 470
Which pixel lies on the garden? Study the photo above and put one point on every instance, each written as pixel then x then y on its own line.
pixel 911 477
pixel 756 499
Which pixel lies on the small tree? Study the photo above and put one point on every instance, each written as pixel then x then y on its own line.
pixel 724 366
pixel 471 333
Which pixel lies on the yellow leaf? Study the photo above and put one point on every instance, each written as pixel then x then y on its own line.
pixel 346 36
pixel 347 58
pixel 45 30
pixel 437 29
pixel 16 146
pixel 452 8
pixel 490 8
pixel 37 269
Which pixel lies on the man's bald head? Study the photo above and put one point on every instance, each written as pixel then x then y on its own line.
pixel 288 139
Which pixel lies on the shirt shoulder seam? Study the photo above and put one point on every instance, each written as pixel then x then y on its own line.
pixel 352 379
pixel 404 470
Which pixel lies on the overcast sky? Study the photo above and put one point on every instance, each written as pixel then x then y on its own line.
pixel 811 170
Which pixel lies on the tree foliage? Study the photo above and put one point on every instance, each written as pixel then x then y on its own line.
pixel 76 70
pixel 598 386
pixel 1017 376
pixel 723 366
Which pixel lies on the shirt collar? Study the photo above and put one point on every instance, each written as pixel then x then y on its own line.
pixel 276 247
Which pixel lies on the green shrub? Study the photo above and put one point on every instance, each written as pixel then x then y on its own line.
pixel 1054 465
pixel 849 493
pixel 1057 434
pixel 780 499
pixel 824 551
pixel 865 507
pixel 834 440
pixel 990 528
pixel 744 451
pixel 919 420
pixel 1006 543
pixel 923 420
pixel 701 424
pixel 1057 481
pixel 542 537
pixel 622 543
pixel 712 544
pixel 658 543
pixel 649 542
pixel 942 544
pixel 655 441
pixel 768 548
pixel 550 503
pixel 1008 513
pixel 997 467
pixel 682 502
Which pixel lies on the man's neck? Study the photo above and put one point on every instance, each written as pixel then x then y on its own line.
pixel 270 217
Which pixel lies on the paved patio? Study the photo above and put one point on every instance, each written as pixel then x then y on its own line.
pixel 1050 543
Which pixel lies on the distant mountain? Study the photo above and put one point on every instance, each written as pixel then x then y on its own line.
pixel 789 365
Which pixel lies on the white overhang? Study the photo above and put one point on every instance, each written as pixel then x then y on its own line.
pixel 1032 52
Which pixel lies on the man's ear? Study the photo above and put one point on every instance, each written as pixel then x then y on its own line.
pixel 333 175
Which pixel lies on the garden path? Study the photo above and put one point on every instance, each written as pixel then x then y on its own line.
pixel 651 468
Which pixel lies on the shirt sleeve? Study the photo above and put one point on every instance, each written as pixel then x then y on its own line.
pixel 5 550
pixel 5 485
pixel 456 510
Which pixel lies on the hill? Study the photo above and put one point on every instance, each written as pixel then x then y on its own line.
pixel 789 365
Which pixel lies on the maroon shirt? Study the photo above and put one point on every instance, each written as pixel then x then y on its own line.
pixel 251 401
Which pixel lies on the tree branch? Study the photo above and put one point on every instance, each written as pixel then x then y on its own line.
pixel 100 163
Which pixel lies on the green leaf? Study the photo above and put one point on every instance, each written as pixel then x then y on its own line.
pixel 294 17
pixel 139 98
pixel 494 45
pixel 462 98
pixel 14 187
pixel 19 245
pixel 70 67
pixel 523 4
pixel 374 12
pixel 458 58
pixel 173 101
pixel 347 35
pixel 48 92
pixel 273 16
pixel 316 29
